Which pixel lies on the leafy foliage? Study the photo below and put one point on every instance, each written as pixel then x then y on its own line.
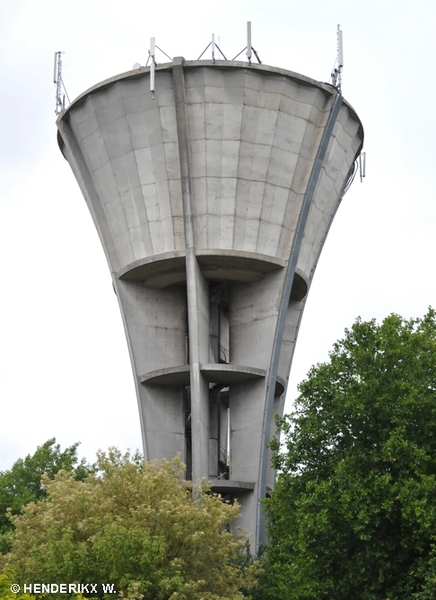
pixel 136 525
pixel 7 579
pixel 22 483
pixel 353 514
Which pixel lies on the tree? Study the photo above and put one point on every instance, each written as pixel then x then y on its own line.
pixel 137 526
pixel 7 582
pixel 22 483
pixel 353 514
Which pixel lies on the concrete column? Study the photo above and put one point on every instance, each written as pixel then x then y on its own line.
pixel 197 291
pixel 214 319
pixel 214 432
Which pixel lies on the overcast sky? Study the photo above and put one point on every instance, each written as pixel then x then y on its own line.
pixel 65 370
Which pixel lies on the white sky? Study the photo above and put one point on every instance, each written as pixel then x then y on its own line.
pixel 64 365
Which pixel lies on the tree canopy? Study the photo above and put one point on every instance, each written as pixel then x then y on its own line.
pixel 22 483
pixel 7 581
pixel 353 514
pixel 137 526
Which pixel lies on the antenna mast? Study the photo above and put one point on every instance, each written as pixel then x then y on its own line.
pixel 57 80
pixel 362 165
pixel 152 53
pixel 213 48
pixel 337 71
pixel 249 42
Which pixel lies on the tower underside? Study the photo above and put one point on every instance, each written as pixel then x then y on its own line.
pixel 212 201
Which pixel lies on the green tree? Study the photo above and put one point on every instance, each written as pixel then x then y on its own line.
pixel 353 515
pixel 7 582
pixel 136 525
pixel 22 483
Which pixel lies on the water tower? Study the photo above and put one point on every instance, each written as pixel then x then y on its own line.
pixel 212 197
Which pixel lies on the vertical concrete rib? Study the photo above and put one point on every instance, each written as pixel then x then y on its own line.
pixel 284 303
pixel 197 294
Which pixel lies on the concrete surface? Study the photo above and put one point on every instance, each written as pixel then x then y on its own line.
pixel 197 197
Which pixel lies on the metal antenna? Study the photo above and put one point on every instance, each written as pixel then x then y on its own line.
pixel 149 55
pixel 249 48
pixel 214 45
pixel 57 80
pixel 249 42
pixel 337 70
pixel 362 165
pixel 152 52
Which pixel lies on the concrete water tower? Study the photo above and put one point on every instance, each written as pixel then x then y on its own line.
pixel 212 199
